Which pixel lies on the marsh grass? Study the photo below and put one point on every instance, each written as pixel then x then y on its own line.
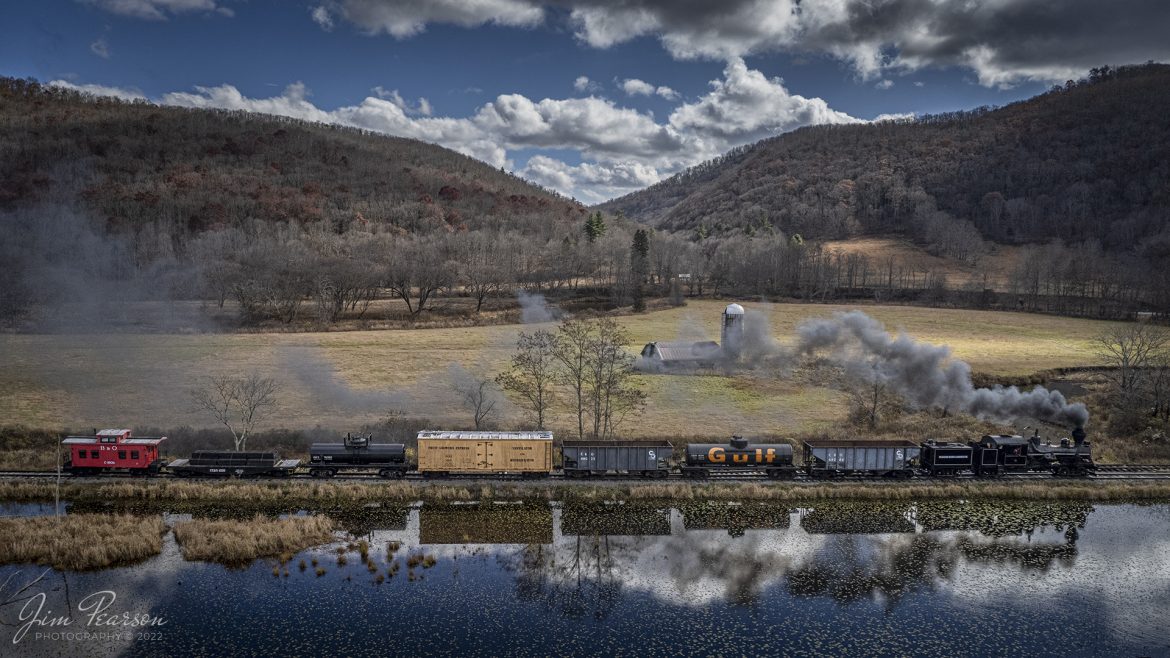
pixel 243 498
pixel 237 543
pixel 81 541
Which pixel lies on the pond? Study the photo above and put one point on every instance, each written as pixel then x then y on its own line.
pixel 624 579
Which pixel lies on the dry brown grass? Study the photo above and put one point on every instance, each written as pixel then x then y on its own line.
pixel 288 494
pixel 239 542
pixel 45 380
pixel 80 541
pixel 996 265
pixel 298 495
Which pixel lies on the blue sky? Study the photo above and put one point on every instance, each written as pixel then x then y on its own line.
pixel 502 79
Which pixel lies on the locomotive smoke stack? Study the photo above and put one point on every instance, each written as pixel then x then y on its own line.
pixel 1078 435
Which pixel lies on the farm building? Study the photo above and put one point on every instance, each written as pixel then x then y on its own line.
pixel 661 355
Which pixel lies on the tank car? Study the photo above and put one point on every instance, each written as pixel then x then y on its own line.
pixel 357 454
pixel 738 457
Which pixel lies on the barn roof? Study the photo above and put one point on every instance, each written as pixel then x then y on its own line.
pixel 485 436
pixel 701 351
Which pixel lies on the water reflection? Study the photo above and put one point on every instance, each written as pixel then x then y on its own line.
pixel 836 578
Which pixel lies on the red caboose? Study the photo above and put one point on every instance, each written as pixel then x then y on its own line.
pixel 113 450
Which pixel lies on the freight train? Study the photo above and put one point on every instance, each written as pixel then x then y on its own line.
pixel 532 454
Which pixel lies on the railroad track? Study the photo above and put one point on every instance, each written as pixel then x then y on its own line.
pixel 1104 472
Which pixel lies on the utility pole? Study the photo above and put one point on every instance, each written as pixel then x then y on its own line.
pixel 57 491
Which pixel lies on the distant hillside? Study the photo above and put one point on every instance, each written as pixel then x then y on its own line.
pixel 1085 161
pixel 193 170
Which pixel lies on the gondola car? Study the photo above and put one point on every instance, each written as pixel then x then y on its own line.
pixel 233 463
pixel 113 451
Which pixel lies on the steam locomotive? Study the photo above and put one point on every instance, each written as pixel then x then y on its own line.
pixel 532 454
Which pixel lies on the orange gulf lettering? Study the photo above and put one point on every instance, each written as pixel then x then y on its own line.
pixel 759 455
pixel 740 459
pixel 771 455
pixel 716 455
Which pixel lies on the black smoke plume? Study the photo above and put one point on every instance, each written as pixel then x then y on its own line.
pixel 926 375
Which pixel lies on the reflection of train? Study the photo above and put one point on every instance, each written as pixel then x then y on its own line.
pixel 532 454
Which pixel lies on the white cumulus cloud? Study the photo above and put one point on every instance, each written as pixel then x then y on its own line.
pixel 619 148
pixel 126 94
pixel 406 18
pixel 636 87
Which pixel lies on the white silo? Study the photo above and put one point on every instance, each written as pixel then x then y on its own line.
pixel 731 335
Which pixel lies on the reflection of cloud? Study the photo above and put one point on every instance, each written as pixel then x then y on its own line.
pixel 1122 566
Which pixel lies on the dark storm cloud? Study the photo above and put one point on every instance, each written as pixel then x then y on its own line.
pixel 1002 42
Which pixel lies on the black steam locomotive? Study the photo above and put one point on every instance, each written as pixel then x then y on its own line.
pixel 999 454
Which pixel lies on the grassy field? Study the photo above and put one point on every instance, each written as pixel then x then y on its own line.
pixel 341 379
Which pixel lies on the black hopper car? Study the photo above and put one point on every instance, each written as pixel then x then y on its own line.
pixel 357 454
pixel 861 457
pixel 636 458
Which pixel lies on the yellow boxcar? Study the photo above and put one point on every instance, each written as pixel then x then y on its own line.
pixel 484 452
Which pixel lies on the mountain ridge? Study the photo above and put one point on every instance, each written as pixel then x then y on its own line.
pixel 191 170
pixel 1084 161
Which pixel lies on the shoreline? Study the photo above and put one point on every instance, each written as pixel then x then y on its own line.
pixel 311 493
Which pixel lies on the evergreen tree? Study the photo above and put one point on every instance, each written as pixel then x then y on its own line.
pixel 594 227
pixel 639 266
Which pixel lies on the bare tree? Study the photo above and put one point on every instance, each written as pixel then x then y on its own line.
pixel 870 396
pixel 239 403
pixel 478 395
pixel 612 391
pixel 419 273
pixel 574 345
pixel 482 269
pixel 533 373
pixel 1129 350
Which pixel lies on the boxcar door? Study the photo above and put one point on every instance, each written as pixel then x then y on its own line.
pixel 481 454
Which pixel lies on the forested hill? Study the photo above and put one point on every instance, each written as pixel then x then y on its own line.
pixel 1088 160
pixel 187 171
